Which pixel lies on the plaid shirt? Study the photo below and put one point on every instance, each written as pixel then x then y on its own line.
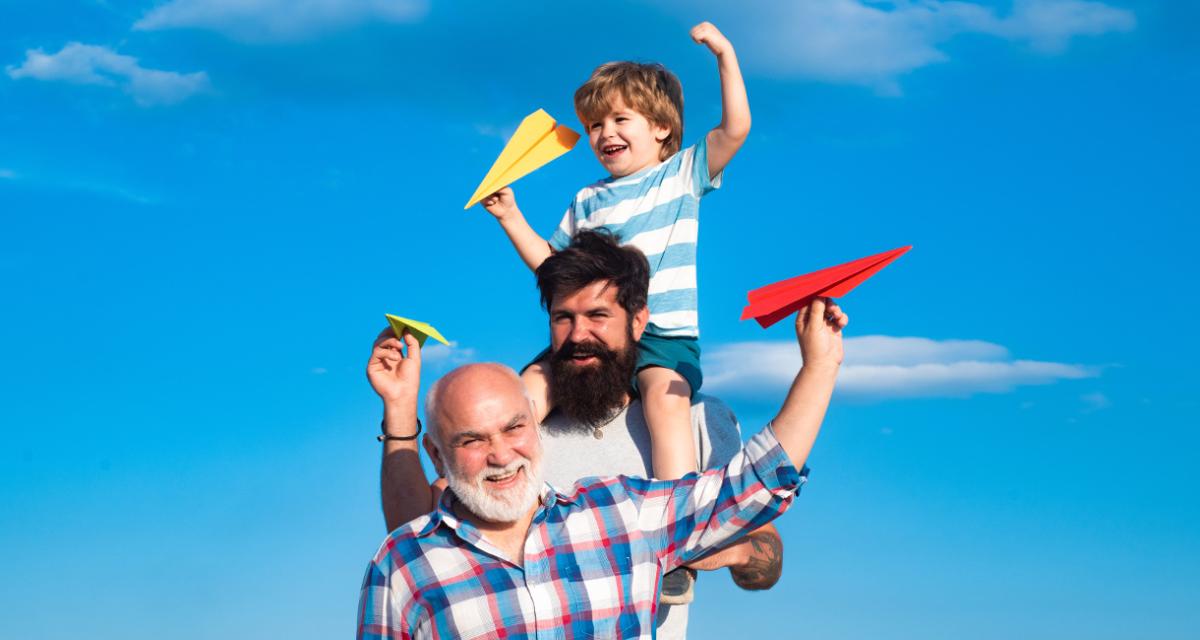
pixel 593 559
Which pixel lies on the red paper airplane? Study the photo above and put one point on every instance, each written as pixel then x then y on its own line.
pixel 774 302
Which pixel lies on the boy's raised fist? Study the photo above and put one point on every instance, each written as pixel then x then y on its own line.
pixel 708 35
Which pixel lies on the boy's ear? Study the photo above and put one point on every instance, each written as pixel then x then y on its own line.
pixel 661 133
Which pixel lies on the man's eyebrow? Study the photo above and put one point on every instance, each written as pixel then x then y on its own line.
pixel 466 435
pixel 517 419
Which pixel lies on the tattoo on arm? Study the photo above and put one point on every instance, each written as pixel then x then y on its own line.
pixel 766 562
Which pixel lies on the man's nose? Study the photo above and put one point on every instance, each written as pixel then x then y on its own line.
pixel 500 453
pixel 580 331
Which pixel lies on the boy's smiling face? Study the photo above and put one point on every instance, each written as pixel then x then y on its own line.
pixel 624 141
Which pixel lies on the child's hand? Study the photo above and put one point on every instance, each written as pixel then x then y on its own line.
pixel 708 35
pixel 501 204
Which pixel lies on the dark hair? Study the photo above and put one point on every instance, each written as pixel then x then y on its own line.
pixel 594 256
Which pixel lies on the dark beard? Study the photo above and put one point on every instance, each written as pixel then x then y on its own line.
pixel 592 394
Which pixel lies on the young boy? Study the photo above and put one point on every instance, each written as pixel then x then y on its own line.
pixel 633 114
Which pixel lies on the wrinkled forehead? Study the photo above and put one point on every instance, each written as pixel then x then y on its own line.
pixel 481 402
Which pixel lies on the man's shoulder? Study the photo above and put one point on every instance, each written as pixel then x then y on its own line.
pixel 404 541
pixel 710 413
pixel 712 408
pixel 716 430
pixel 602 491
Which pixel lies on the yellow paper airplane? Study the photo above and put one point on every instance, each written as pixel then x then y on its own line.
pixel 419 330
pixel 537 141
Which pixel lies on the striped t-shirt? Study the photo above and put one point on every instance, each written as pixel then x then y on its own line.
pixel 656 210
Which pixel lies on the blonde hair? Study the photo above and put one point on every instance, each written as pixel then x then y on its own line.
pixel 647 88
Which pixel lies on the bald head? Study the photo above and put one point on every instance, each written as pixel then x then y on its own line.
pixel 471 395
pixel 484 440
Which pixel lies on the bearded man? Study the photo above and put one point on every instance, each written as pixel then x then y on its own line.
pixel 595 292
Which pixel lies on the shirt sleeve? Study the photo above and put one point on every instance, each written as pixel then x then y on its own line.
pixel 698 513
pixel 702 183
pixel 376 619
pixel 562 235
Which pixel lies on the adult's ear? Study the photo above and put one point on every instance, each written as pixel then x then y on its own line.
pixel 435 455
pixel 640 320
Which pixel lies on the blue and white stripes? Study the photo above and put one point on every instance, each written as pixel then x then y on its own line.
pixel 656 210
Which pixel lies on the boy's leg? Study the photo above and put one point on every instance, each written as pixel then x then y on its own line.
pixel 667 404
pixel 668 376
pixel 537 382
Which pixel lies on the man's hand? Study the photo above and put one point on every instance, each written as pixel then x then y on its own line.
pixel 819 331
pixel 502 204
pixel 395 375
pixel 708 35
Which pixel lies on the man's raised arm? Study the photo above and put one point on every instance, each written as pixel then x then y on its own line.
pixel 396 377
pixel 819 331
pixel 712 510
pixel 756 561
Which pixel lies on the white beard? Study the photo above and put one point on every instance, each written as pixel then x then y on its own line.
pixel 509 505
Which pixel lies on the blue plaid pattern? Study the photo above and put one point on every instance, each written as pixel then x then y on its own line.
pixel 593 559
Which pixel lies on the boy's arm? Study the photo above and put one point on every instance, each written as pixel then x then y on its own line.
pixel 532 248
pixel 725 140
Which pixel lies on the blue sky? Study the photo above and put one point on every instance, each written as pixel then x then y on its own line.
pixel 205 213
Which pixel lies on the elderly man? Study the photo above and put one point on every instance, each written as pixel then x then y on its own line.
pixel 506 555
pixel 596 293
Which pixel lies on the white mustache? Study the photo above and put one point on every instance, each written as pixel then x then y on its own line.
pixel 493 471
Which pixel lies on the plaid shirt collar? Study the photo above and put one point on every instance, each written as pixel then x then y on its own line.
pixel 443 515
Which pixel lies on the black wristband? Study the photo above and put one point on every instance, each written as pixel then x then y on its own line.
pixel 384 437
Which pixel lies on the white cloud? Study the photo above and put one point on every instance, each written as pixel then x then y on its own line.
pixel 1095 402
pixel 278 20
pixel 884 367
pixel 493 131
pixel 439 355
pixel 80 63
pixel 875 42
pixel 90 186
